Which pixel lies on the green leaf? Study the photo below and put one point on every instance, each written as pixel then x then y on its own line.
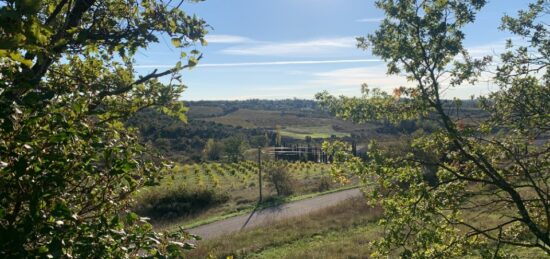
pixel 43 250
pixel 176 42
pixel 132 217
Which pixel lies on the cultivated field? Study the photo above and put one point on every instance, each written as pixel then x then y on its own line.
pixel 200 193
pixel 295 125
pixel 326 131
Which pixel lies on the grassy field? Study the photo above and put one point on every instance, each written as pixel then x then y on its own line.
pixel 204 111
pixel 326 131
pixel 201 193
pixel 292 125
pixel 270 119
pixel 341 231
pixel 267 119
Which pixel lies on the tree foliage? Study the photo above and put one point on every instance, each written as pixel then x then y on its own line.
pixel 234 148
pixel 185 141
pixel 280 179
pixel 212 150
pixel 491 186
pixel 67 163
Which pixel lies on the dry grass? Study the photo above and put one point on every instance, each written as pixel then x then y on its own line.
pixel 341 231
pixel 270 119
pixel 204 111
pixel 300 234
pixel 348 243
pixel 313 132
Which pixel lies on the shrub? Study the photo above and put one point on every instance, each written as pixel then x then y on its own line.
pixel 281 180
pixel 177 202
pixel 68 164
pixel 324 183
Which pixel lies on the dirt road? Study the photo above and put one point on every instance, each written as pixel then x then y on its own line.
pixel 268 215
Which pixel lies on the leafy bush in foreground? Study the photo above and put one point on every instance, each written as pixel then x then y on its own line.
pixel 67 163
pixel 489 189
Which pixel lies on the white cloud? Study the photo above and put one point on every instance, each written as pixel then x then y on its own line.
pixel 345 81
pixel 491 49
pixel 371 20
pixel 259 94
pixel 374 76
pixel 297 62
pixel 294 48
pixel 224 38
pixel 348 82
pixel 271 63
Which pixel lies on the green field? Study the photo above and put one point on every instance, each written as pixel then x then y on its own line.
pixel 225 189
pixel 326 131
pixel 204 111
pixel 296 125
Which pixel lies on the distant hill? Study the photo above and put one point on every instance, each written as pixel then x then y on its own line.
pixel 296 120
pixel 256 104
pixel 182 141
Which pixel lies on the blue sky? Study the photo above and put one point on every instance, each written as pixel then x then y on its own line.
pixel 274 49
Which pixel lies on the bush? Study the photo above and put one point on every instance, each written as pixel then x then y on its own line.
pixel 281 180
pixel 324 183
pixel 177 202
pixel 68 165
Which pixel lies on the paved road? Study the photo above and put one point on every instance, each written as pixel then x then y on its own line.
pixel 268 215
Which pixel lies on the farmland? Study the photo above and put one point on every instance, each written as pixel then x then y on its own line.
pixel 294 125
pixel 322 132
pixel 258 122
pixel 225 189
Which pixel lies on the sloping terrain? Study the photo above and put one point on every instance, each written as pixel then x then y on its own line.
pixel 269 215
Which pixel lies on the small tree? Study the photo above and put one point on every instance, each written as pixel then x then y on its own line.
pixel 279 177
pixel 213 150
pixel 278 137
pixel 234 148
pixel 68 166
pixel 479 173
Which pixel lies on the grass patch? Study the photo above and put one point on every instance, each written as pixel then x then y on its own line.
pixel 271 201
pixel 326 131
pixel 341 231
pixel 340 218
pixel 204 111
pixel 249 118
pixel 349 243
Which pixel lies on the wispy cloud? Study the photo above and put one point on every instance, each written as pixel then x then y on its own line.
pixel 493 48
pixel 371 20
pixel 374 76
pixel 293 48
pixel 225 38
pixel 271 63
pixel 271 96
pixel 348 82
pixel 258 92
pixel 343 80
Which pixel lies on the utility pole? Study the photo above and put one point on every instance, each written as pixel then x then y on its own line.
pixel 260 170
